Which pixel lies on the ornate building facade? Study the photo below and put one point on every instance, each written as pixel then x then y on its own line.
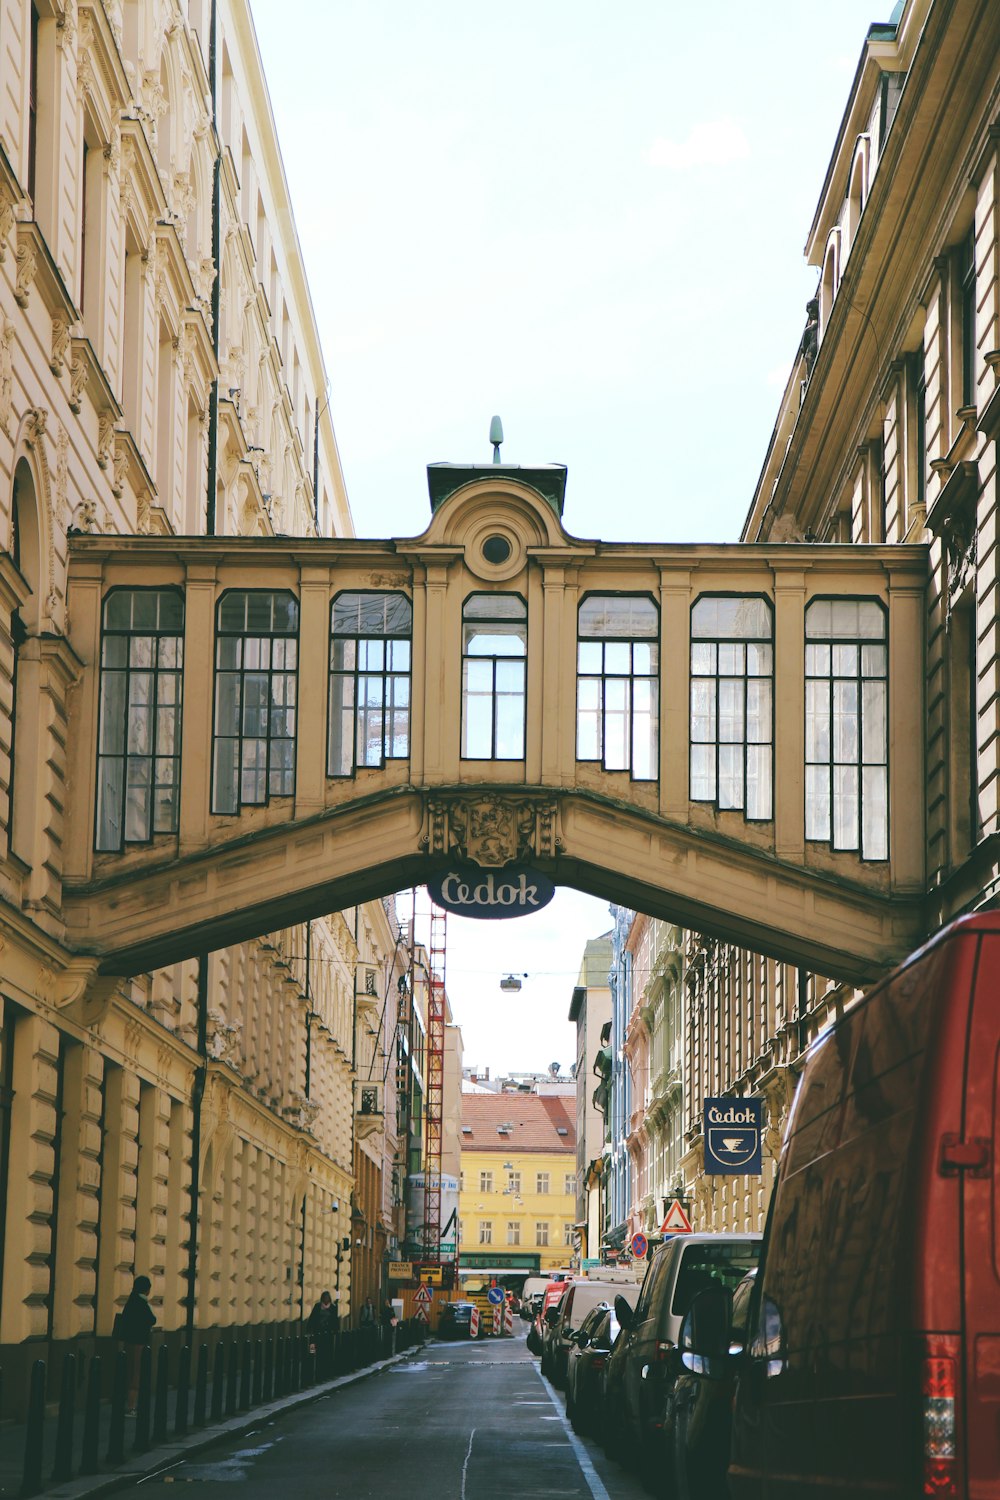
pixel 886 434
pixel 160 373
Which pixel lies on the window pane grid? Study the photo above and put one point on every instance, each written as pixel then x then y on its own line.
pixel 494 677
pixel 847 773
pixel 617 685
pixel 138 761
pixel 256 689
pixel 370 649
pixel 731 706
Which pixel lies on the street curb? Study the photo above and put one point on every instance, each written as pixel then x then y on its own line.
pixel 168 1455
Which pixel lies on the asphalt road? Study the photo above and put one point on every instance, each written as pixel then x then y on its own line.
pixel 456 1422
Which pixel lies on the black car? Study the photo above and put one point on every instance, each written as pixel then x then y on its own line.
pixel 698 1420
pixel 646 1362
pixel 456 1321
pixel 585 1364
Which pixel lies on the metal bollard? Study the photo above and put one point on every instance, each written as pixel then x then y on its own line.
pixel 119 1388
pixel 183 1392
pixel 201 1386
pixel 144 1405
pixel 246 1375
pixel 232 1379
pixel 89 1457
pixel 218 1381
pixel 160 1400
pixel 31 1472
pixel 258 1373
pixel 62 1468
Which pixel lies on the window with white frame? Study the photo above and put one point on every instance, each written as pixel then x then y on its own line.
pixel 139 727
pixel 541 1232
pixel 513 1232
pixel 514 1182
pixel 541 1182
pixel 569 1234
pixel 256 660
pixel 847 741
pixel 486 1182
pixel 494 662
pixel 569 1184
pixel 617 667
pixel 370 655
pixel 732 667
pixel 486 1231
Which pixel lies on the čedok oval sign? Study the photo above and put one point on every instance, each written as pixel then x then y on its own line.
pixel 514 891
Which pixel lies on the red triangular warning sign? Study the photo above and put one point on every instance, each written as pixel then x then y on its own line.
pixel 676 1221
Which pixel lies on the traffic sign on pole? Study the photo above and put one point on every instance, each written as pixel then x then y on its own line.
pixel 676 1220
pixel 640 1245
pixel 495 1294
pixel 423 1296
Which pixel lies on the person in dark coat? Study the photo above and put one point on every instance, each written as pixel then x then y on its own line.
pixel 133 1326
pixel 322 1328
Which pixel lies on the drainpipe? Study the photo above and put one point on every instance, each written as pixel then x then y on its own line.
pixel 213 397
pixel 197 1096
pixel 308 1086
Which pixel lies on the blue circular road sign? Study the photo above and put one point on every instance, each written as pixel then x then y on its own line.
pixel 495 1295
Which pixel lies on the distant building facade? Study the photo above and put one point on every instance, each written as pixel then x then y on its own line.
pixel 590 1013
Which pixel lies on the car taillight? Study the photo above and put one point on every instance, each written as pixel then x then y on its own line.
pixel 940 1391
pixel 598 1362
pixel 663 1350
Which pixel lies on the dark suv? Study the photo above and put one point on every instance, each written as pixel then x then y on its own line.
pixel 645 1361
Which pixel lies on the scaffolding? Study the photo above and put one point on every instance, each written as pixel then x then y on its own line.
pixel 437 1003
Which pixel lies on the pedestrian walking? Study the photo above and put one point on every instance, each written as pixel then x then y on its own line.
pixel 389 1321
pixel 132 1327
pixel 368 1312
pixel 322 1328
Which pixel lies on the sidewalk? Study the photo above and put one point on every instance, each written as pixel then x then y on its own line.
pixel 136 1466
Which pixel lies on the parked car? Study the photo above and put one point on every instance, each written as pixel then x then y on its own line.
pixel 532 1294
pixel 555 1290
pixel 872 1362
pixel 645 1361
pixel 586 1364
pixel 699 1412
pixel 456 1321
pixel 562 1322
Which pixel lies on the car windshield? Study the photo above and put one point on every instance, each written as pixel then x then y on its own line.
pixel 702 1265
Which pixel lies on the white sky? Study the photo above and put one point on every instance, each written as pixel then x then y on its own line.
pixel 589 219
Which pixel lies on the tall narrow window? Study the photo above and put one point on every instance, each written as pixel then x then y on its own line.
pixel 967 274
pixel 370 650
pixel 486 1231
pixel 513 1232
pixel 541 1232
pixel 139 737
pixel 732 666
pixel 32 102
pixel 494 652
pixel 616 683
pixel 847 772
pixel 920 426
pixel 256 657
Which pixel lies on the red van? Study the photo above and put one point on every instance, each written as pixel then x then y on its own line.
pixel 872 1362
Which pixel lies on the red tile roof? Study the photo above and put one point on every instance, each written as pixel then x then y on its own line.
pixel 535 1122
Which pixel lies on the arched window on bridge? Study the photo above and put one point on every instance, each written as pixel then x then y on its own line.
pixel 494 652
pixel 617 667
pixel 732 665
pixel 139 736
pixel 369 681
pixel 256 658
pixel 847 770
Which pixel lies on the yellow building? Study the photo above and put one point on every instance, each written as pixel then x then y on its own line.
pixel 517 1204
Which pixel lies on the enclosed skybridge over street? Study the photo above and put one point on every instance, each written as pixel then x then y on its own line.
pixel 267 729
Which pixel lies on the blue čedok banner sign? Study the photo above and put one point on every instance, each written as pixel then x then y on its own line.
pixel 472 892
pixel 734 1130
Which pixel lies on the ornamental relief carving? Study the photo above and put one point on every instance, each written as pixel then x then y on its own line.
pixel 492 830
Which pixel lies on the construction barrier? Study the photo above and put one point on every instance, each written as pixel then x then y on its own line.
pixel 474 1323
pixel 497 1321
pixel 508 1318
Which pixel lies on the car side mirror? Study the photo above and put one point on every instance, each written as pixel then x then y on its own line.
pixel 525 1315
pixel 623 1311
pixel 582 1340
pixel 552 1316
pixel 706 1332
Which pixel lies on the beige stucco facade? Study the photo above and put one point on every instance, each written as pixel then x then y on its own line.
pixel 199 1121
